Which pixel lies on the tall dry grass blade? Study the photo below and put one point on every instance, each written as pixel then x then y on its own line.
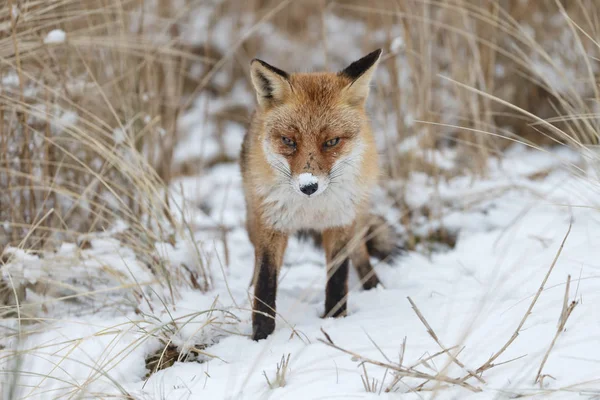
pixel 566 311
pixel 490 362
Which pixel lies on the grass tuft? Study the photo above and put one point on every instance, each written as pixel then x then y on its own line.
pixel 281 372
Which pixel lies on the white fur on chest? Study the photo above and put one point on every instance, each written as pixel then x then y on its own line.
pixel 288 211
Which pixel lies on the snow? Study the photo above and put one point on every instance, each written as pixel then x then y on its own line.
pixel 15 11
pixel 55 36
pixel 397 44
pixel 10 79
pixel 119 135
pixel 509 229
pixel 68 118
pixel 305 179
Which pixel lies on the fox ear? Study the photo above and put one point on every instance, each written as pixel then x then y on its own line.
pixel 272 85
pixel 360 73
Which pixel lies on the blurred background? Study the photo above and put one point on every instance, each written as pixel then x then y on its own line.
pixel 104 103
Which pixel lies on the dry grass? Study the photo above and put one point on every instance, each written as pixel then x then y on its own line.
pixel 89 125
pixel 400 371
pixel 372 385
pixel 281 373
pixel 567 309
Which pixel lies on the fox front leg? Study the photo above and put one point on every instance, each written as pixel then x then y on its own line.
pixel 268 259
pixel 338 260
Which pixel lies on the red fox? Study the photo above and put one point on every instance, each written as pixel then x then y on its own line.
pixel 309 162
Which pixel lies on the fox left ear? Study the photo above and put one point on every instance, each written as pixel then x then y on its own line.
pixel 272 85
pixel 360 73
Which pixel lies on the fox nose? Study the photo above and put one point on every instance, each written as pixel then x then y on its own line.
pixel 309 189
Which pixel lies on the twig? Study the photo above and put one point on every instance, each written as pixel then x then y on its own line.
pixel 403 351
pixel 437 340
pixel 365 380
pixel 490 363
pixel 377 347
pixel 399 370
pixel 421 361
pixel 562 321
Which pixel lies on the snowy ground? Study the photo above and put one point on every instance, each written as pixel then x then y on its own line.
pixel 510 227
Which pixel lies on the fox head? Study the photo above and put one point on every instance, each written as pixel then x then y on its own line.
pixel 315 131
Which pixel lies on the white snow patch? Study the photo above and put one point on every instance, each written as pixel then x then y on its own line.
pixel 397 44
pixel 15 11
pixel 10 79
pixel 68 119
pixel 55 36
pixel 306 179
pixel 119 135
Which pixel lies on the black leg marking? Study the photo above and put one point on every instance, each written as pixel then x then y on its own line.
pixel 367 275
pixel 336 291
pixel 265 291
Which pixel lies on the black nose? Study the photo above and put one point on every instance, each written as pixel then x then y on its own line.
pixel 309 189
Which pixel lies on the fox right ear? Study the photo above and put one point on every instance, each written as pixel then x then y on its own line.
pixel 272 85
pixel 359 73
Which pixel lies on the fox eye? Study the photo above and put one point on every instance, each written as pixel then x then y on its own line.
pixel 331 142
pixel 288 142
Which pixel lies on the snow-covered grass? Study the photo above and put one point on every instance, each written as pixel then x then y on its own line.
pixel 511 228
pixel 125 263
